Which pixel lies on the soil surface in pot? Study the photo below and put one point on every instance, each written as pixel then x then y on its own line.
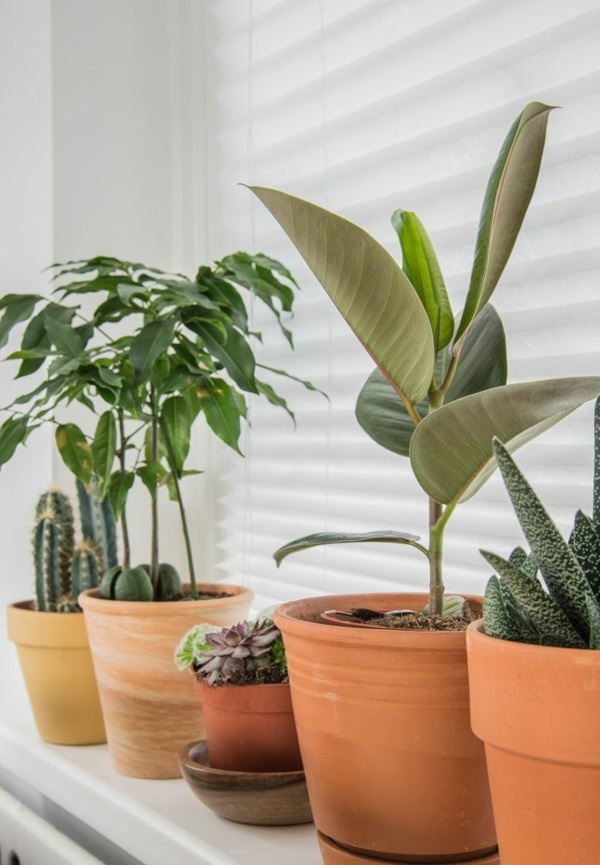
pixel 408 621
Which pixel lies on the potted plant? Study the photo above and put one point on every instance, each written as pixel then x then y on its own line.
pixel 438 395
pixel 534 670
pixel 147 353
pixel 49 631
pixel 242 682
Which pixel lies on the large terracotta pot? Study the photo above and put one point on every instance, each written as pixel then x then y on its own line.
pixel 250 728
pixel 537 709
pixel 392 767
pixel 149 706
pixel 55 659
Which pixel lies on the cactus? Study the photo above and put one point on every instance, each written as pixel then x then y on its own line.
pixel 516 606
pixel 98 523
pixel 64 569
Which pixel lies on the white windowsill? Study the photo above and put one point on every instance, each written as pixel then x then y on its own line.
pixel 153 821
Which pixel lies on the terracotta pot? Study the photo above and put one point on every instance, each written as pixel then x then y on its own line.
pixel 392 767
pixel 149 706
pixel 250 728
pixel 537 709
pixel 55 659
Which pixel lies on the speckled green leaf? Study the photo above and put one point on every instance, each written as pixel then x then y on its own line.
pixel 550 622
pixel 596 490
pixel 594 617
pixel 560 569
pixel 585 543
pixel 497 619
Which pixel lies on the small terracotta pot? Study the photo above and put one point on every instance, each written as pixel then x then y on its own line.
pixel 537 708
pixel 149 706
pixel 392 767
pixel 55 659
pixel 250 728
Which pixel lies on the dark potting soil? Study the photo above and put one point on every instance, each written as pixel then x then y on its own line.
pixel 419 622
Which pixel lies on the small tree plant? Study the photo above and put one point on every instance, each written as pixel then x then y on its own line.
pixel 156 351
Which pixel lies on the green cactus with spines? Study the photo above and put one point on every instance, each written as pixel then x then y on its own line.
pixel 64 569
pixel 516 606
pixel 98 523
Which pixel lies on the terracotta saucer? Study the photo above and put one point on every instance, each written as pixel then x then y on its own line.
pixel 258 798
pixel 333 854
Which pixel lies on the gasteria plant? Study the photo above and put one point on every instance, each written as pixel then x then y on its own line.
pixel 63 568
pixel 439 392
pixel 157 350
pixel 516 606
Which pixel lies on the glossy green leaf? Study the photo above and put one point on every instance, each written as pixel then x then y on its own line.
pixel 152 474
pixel 150 343
pixel 104 448
pixel 65 338
pixel 420 264
pixel 221 410
pixel 505 204
pixel 326 538
pixel 12 433
pixel 451 449
pixel 75 451
pixel 36 337
pixel 367 286
pixel 234 353
pixel 482 365
pixel 17 308
pixel 175 423
pixel 118 490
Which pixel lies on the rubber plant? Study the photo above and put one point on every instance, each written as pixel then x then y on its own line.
pixel 157 350
pixel 438 394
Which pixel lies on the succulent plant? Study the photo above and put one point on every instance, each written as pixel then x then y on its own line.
pixel 251 652
pixel 516 605
pixel 63 568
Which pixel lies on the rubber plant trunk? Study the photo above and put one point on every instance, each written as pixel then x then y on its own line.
pixel 54 655
pixel 537 708
pixel 150 708
pixel 392 767
pixel 250 728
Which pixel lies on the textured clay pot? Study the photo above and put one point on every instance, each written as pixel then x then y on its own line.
pixel 537 709
pixel 250 728
pixel 55 659
pixel 149 706
pixel 392 767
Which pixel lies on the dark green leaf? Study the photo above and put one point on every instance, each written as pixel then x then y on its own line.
pixel 175 425
pixel 266 390
pixel 235 355
pixel 17 308
pixel 66 339
pixel 104 448
pixel 152 474
pixel 154 339
pixel 327 538
pixel 12 433
pixel 120 484
pixel 221 410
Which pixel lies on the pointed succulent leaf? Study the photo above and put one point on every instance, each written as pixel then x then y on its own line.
pixel 505 204
pixel 381 412
pixel 594 619
pixel 585 543
pixel 367 286
pixel 499 622
pixel 420 264
pixel 560 569
pixel 325 538
pixel 550 622
pixel 596 490
pixel 451 449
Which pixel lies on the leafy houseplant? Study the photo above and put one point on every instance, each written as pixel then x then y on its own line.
pixel 157 350
pixel 438 393
pixel 535 700
pixel 242 682
pixel 53 649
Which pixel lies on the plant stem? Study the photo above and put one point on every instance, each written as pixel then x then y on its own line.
pixel 438 517
pixel 124 528
pixel 154 454
pixel 184 523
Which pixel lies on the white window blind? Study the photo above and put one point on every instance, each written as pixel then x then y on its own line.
pixel 364 106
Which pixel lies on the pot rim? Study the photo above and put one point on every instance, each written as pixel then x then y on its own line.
pixel 91 601
pixel 478 639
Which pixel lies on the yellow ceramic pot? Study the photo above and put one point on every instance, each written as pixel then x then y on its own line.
pixel 55 659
